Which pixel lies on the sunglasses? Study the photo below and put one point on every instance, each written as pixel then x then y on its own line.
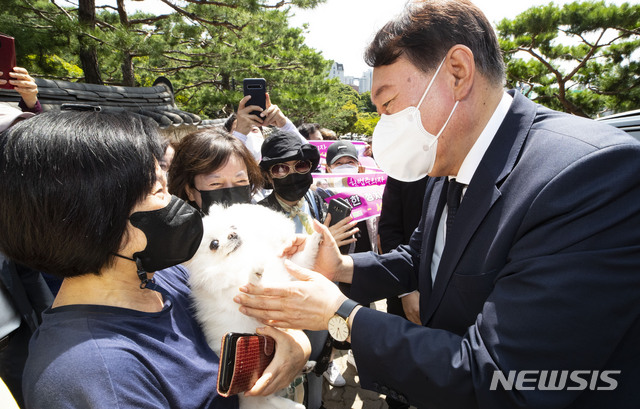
pixel 282 170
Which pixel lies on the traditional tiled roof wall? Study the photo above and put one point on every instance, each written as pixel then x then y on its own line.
pixel 155 102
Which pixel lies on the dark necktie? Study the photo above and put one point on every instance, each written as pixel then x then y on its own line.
pixel 454 193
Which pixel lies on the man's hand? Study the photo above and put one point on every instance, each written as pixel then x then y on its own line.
pixel 292 353
pixel 329 261
pixel 304 304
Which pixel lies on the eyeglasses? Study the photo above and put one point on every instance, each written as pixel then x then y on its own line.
pixel 282 170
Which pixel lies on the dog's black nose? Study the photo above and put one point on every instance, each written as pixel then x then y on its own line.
pixel 232 236
pixel 214 245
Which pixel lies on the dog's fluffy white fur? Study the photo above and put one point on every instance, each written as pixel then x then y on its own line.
pixel 241 244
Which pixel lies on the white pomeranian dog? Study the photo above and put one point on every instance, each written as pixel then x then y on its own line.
pixel 242 244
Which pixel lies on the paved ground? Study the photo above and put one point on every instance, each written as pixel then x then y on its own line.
pixel 351 396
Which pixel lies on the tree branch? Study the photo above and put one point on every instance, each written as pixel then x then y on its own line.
pixel 197 84
pixel 210 3
pixel 586 58
pixel 150 19
pixel 194 17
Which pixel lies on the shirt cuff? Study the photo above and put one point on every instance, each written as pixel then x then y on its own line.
pixel 37 108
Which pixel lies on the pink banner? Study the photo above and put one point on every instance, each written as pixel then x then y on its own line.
pixel 363 191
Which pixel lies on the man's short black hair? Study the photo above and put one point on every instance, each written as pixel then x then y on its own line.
pixel 68 182
pixel 429 28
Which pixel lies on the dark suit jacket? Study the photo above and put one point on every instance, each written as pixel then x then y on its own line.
pixel 401 212
pixel 541 272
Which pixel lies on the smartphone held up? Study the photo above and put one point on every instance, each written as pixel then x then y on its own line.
pixel 257 88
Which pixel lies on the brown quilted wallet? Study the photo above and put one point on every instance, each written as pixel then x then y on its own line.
pixel 243 359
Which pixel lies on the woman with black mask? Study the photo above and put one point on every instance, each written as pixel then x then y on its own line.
pixel 83 198
pixel 211 166
pixel 287 163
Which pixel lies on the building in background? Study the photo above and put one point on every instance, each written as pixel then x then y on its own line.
pixel 361 85
pixel 337 71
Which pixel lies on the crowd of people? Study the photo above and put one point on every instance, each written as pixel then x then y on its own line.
pixel 176 182
pixel 508 243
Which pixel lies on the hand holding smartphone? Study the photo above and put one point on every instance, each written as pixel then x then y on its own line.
pixel 338 209
pixel 257 88
pixel 7 58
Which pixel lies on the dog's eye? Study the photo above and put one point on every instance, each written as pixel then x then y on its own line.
pixel 214 245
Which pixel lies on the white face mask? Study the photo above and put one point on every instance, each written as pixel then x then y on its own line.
pixel 345 169
pixel 402 147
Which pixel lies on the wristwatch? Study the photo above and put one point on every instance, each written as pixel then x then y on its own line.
pixel 338 326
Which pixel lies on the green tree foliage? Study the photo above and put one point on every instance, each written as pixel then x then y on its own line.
pixel 204 47
pixel 581 58
pixel 366 123
pixel 344 108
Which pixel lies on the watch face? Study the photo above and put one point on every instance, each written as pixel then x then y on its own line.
pixel 338 328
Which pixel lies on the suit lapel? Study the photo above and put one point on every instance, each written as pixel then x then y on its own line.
pixel 482 193
pixel 435 200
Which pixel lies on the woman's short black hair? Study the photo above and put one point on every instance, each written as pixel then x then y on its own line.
pixel 68 182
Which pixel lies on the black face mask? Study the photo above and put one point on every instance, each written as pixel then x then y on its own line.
pixel 293 187
pixel 173 236
pixel 226 196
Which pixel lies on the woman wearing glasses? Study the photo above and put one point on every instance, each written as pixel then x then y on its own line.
pixel 287 163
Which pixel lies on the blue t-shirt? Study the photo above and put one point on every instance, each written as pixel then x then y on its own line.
pixel 91 356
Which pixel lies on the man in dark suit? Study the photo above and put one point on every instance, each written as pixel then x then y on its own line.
pixel 527 257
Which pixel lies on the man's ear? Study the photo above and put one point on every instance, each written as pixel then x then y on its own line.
pixel 361 169
pixel 461 66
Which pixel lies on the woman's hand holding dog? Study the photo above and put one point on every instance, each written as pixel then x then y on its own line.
pixel 292 353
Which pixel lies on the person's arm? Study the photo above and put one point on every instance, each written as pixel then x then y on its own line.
pixel 309 302
pixel 565 300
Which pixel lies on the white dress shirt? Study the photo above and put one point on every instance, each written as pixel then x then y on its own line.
pixel 466 172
